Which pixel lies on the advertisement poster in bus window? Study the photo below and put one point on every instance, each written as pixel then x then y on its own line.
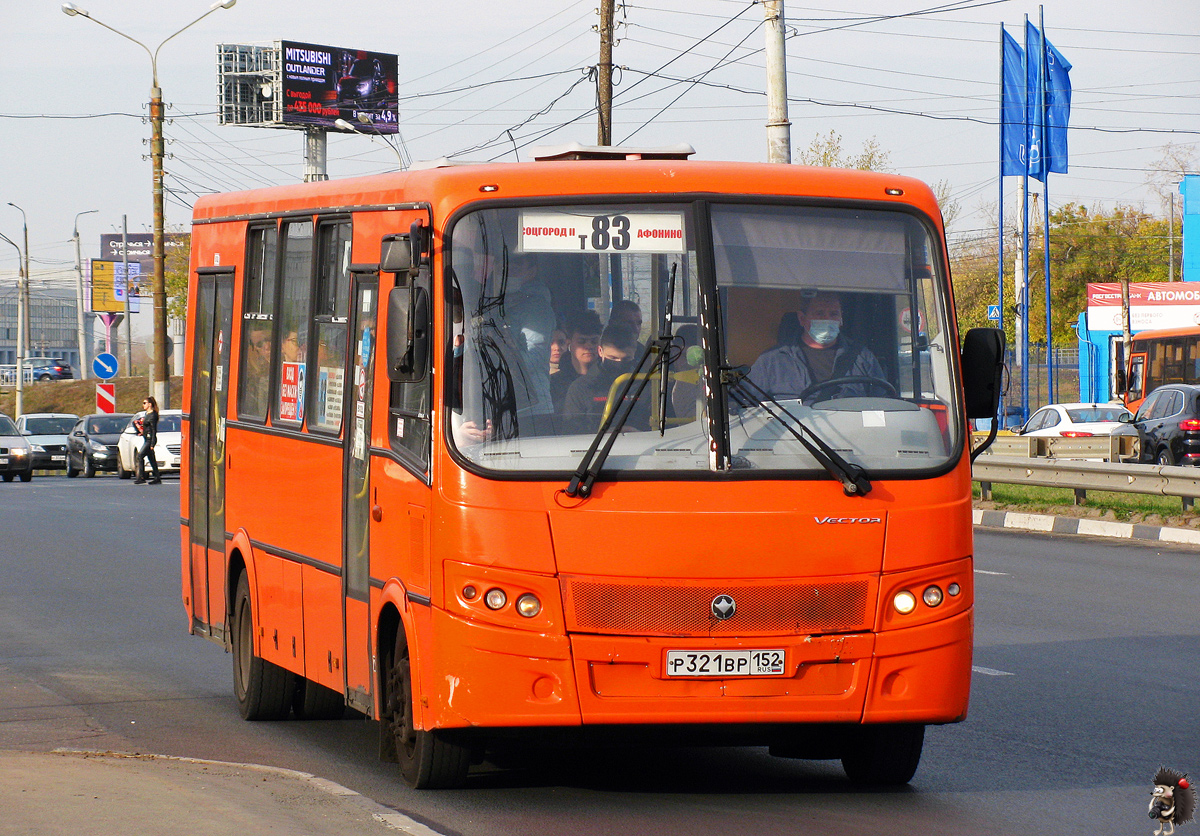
pixel 330 395
pixel 322 84
pixel 291 392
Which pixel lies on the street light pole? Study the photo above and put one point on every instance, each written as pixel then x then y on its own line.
pixel 20 404
pixel 348 126
pixel 79 308
pixel 162 380
pixel 22 315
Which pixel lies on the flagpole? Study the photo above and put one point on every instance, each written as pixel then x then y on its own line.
pixel 1023 301
pixel 1045 146
pixel 1000 243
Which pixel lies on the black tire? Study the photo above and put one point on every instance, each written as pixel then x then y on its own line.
pixel 89 469
pixel 428 759
pixel 1166 457
pixel 122 473
pixel 884 755
pixel 8 477
pixel 313 701
pixel 45 377
pixel 263 689
pixel 27 476
pixel 71 471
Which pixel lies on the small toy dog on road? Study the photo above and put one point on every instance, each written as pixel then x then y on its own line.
pixel 1173 800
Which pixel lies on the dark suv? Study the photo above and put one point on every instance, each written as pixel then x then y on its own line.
pixel 1168 424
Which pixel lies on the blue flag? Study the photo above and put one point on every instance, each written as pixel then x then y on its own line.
pixel 1012 106
pixel 1058 108
pixel 1035 103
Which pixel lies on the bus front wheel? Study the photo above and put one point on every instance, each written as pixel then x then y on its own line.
pixel 884 755
pixel 428 760
pixel 263 689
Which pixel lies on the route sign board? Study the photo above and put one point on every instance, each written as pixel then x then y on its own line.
pixel 104 365
pixel 106 397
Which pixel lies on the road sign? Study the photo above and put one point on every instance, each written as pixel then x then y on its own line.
pixel 994 313
pixel 104 365
pixel 106 397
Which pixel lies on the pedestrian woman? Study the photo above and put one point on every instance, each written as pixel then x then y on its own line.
pixel 145 452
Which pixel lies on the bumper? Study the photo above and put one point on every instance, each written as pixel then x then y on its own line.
pixel 485 676
pixel 49 461
pixel 15 464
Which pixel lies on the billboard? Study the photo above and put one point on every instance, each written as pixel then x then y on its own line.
pixel 322 84
pixel 1152 305
pixel 108 286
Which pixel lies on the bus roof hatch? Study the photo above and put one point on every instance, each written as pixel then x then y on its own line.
pixel 575 151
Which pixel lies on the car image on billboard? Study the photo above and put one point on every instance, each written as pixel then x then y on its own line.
pixel 322 84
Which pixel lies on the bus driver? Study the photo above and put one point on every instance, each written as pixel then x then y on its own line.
pixel 820 352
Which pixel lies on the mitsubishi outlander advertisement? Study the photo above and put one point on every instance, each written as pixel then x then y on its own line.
pixel 322 84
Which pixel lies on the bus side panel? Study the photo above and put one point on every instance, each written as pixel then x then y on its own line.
pixel 322 592
pixel 281 631
pixel 933 525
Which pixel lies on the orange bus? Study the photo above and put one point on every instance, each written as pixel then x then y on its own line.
pixel 1156 358
pixel 386 506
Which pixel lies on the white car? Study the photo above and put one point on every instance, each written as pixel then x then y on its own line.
pixel 1074 420
pixel 166 452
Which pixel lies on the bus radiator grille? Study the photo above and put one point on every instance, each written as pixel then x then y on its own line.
pixel 668 608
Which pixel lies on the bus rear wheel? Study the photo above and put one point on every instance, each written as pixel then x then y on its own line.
pixel 263 689
pixel 314 701
pixel 884 755
pixel 428 759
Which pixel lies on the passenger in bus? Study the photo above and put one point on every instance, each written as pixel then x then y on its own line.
pixel 628 312
pixel 813 350
pixel 587 398
pixel 686 359
pixel 256 377
pixel 558 348
pixel 583 338
pixel 529 319
pixel 290 348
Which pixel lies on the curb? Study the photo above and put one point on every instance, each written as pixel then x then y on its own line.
pixel 1093 528
pixel 386 816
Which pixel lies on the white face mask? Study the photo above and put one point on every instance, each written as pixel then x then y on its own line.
pixel 824 331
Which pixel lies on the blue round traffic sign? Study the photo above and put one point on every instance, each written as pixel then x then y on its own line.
pixel 105 365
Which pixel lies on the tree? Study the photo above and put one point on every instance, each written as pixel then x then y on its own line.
pixel 178 260
pixel 827 152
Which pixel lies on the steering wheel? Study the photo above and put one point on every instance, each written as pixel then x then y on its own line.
pixel 834 382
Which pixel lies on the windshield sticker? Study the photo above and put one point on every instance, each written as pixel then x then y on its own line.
pixel 630 232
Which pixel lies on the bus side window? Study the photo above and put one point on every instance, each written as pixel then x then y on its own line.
pixel 409 428
pixel 258 315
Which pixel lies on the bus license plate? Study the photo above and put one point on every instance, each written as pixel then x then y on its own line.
pixel 725 663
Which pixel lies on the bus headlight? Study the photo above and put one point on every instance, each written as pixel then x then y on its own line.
pixel 904 602
pixel 528 605
pixel 495 599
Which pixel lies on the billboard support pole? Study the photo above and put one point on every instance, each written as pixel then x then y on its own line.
pixel 80 312
pixel 314 155
pixel 128 305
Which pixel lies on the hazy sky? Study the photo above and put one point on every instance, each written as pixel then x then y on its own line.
pixel 918 76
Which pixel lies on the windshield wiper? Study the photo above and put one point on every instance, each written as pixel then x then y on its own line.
pixel 589 466
pixel 853 478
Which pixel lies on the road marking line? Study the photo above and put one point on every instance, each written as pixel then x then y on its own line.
pixel 986 572
pixel 990 671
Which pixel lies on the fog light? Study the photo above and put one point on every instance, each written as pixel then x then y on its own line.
pixel 495 599
pixel 932 596
pixel 528 605
pixel 469 592
pixel 904 602
pixel 953 589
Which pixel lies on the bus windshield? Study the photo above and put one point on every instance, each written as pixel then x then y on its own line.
pixel 833 318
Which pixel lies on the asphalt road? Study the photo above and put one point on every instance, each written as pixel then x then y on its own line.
pixel 1087 661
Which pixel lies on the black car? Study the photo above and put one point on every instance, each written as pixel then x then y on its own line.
pixel 1168 425
pixel 16 454
pixel 92 444
pixel 47 368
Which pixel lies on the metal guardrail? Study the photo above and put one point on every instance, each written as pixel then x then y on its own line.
pixel 1063 463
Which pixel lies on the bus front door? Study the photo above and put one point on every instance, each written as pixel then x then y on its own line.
pixel 357 502
pixel 210 387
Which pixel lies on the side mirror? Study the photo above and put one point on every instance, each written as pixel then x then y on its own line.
pixel 983 368
pixel 408 328
pixel 1125 418
pixel 395 255
pixel 1121 381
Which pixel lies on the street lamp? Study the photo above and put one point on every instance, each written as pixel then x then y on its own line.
pixel 348 126
pixel 22 312
pixel 161 383
pixel 83 353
